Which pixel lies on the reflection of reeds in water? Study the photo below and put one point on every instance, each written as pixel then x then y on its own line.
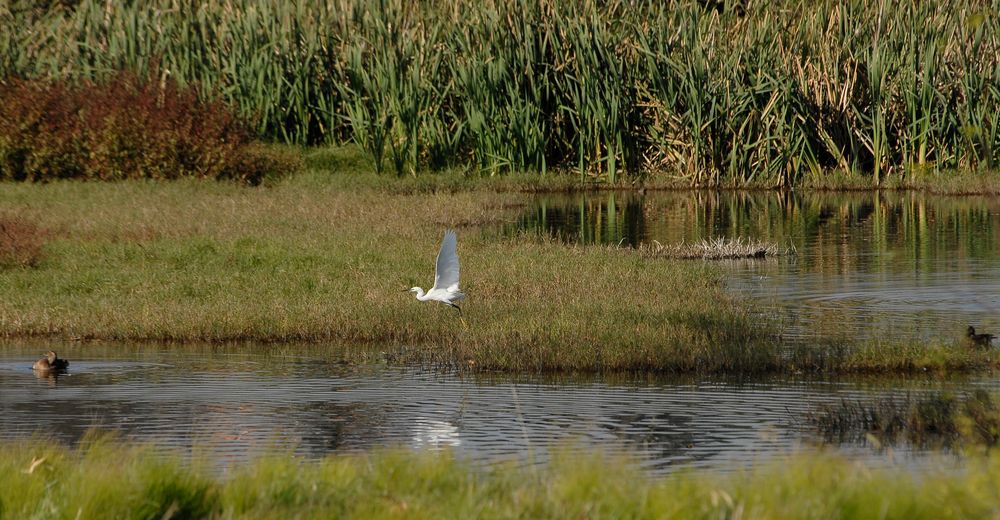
pixel 940 418
pixel 714 249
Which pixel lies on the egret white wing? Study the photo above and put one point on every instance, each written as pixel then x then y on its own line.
pixel 446 272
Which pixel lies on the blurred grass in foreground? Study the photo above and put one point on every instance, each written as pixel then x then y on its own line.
pixel 107 478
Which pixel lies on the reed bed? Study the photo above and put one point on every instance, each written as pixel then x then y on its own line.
pixel 713 249
pixel 105 477
pixel 736 93
pixel 940 418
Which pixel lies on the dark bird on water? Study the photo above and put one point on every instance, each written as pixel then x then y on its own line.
pixel 981 340
pixel 50 361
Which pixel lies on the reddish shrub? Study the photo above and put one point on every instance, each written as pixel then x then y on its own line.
pixel 124 128
pixel 20 242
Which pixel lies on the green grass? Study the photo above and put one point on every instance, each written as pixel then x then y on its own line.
pixel 324 257
pixel 350 158
pixel 107 478
pixel 831 354
pixel 308 260
pixel 929 180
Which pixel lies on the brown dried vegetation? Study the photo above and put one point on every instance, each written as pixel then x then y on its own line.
pixel 20 242
pixel 124 128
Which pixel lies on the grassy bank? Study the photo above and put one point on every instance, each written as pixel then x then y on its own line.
pixel 739 93
pixel 313 261
pixel 109 479
pixel 320 257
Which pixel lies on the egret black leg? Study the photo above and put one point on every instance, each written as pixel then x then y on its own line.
pixel 457 307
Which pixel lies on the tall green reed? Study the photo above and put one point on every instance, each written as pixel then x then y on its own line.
pixel 763 94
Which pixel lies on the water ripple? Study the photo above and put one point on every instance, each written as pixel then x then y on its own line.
pixel 182 400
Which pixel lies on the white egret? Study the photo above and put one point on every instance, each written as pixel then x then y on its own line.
pixel 445 288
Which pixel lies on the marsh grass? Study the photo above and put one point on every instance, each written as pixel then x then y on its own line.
pixel 103 477
pixel 107 477
pixel 830 352
pixel 347 167
pixel 941 419
pixel 982 181
pixel 304 261
pixel 358 172
pixel 324 258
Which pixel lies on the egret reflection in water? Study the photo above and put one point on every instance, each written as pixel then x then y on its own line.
pixel 435 433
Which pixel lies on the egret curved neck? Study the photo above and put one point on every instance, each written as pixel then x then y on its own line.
pixel 420 294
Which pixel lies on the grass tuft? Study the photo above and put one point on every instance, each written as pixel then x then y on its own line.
pixel 940 419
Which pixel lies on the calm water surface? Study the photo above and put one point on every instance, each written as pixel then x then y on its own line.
pixel 237 403
pixel 866 264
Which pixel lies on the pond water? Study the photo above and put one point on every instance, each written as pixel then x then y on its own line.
pixel 236 403
pixel 865 264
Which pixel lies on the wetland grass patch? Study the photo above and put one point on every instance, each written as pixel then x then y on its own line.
pixel 325 258
pixel 110 478
pixel 938 419
pixel 900 355
pixel 202 261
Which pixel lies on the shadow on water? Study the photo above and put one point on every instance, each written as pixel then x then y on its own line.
pixel 905 264
pixel 237 402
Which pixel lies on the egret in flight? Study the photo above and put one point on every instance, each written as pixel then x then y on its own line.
pixel 445 288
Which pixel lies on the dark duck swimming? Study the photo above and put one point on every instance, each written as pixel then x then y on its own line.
pixel 979 340
pixel 49 362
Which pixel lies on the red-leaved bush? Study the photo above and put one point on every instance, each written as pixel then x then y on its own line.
pixel 123 128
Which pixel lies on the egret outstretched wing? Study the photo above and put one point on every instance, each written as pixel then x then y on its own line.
pixel 446 272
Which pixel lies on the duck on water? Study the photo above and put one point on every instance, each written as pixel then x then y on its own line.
pixel 979 340
pixel 50 362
